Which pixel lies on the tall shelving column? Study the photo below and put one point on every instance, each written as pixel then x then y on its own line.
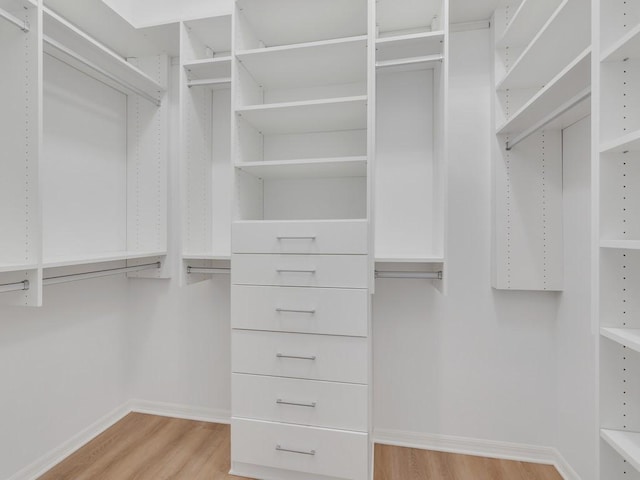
pixel 301 257
pixel 616 170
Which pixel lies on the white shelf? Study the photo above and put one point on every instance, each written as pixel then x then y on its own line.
pixel 76 43
pixel 286 22
pixel 316 63
pixel 209 68
pixel 17 267
pixel 538 63
pixel 621 244
pixel 629 337
pixel 411 45
pixel 572 80
pixel 416 260
pixel 526 22
pixel 212 83
pixel 627 47
pixel 627 444
pixel 205 256
pixel 407 15
pixel 214 32
pixel 317 168
pixel 87 259
pixel 345 113
pixel 629 142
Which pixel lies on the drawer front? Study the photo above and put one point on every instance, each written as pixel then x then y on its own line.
pixel 318 451
pixel 302 310
pixel 304 402
pixel 301 237
pixel 346 271
pixel 314 357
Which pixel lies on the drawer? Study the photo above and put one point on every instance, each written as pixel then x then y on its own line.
pixel 310 450
pixel 346 271
pixel 302 310
pixel 297 355
pixel 301 237
pixel 304 402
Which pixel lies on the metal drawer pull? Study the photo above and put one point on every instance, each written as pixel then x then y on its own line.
pixel 296 404
pixel 280 270
pixel 301 452
pixel 297 357
pixel 297 238
pixel 289 310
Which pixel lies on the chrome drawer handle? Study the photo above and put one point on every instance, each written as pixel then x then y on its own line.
pixel 296 357
pixel 282 270
pixel 296 404
pixel 289 310
pixel 312 237
pixel 301 452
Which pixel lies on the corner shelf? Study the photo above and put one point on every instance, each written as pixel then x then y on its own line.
pixel 629 337
pixel 621 244
pixel 87 259
pixel 628 142
pixel 314 167
pixel 526 22
pixel 627 444
pixel 627 47
pixel 209 68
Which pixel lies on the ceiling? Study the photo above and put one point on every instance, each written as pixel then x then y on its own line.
pixel 463 11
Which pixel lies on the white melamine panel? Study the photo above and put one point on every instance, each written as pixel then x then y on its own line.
pixel 284 22
pixel 619 195
pixel 627 444
pixel 207 37
pixel 336 144
pixel 404 192
pixel 619 386
pixel 222 172
pixel 319 404
pixel 613 449
pixel 408 15
pixel 619 22
pixel 320 357
pixel 409 45
pixel 329 311
pixel 345 271
pixel 209 68
pixel 349 236
pixel 84 164
pixel 524 21
pixel 620 288
pixel 619 101
pixel 308 168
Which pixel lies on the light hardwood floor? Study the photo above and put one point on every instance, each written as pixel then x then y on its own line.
pixel 147 447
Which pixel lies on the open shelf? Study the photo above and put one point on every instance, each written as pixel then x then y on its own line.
pixel 627 47
pixel 408 16
pixel 629 337
pixel 86 259
pixel 410 45
pixel 416 260
pixel 572 80
pixel 314 167
pixel 66 42
pixel 337 61
pixel 526 22
pixel 621 244
pixel 627 143
pixel 345 113
pixel 209 68
pixel 16 267
pixel 541 60
pixel 627 444
pixel 207 38
pixel 205 256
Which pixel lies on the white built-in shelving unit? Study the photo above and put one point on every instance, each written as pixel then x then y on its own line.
pixel 617 233
pixel 542 78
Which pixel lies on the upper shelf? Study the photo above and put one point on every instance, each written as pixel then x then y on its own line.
pixel 626 443
pixel 621 244
pixel 627 47
pixel 86 259
pixel 626 143
pixel 408 15
pixel 209 68
pixel 287 22
pixel 530 16
pixel 409 45
pixel 541 60
pixel 316 63
pixel 207 37
pixel 308 168
pixel 629 337
pixel 333 114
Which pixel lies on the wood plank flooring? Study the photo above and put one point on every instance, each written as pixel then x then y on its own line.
pixel 147 447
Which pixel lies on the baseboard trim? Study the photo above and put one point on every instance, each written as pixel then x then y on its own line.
pixel 478 447
pixel 186 412
pixel 55 456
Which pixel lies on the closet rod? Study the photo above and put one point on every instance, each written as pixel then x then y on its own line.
pixel 411 275
pixel 58 46
pixel 410 61
pixel 209 270
pixel 14 287
pixel 205 83
pixel 21 24
pixel 562 109
pixel 73 277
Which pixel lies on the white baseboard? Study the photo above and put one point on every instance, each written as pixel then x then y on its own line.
pixel 186 412
pixel 55 456
pixel 477 447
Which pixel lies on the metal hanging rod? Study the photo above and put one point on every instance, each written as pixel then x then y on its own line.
pixel 411 275
pixel 99 273
pixel 21 24
pixel 209 270
pixel 208 82
pixel 562 109
pixel 14 287
pixel 126 85
pixel 410 61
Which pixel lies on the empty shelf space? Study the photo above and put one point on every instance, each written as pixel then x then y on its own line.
pixel 627 47
pixel 411 45
pixel 627 444
pixel 345 113
pixel 626 143
pixel 212 83
pixel 17 267
pixel 317 63
pixel 542 60
pixel 209 68
pixel 572 80
pixel 408 15
pixel 621 244
pixel 206 256
pixel 530 16
pixel 629 337
pixel 86 259
pixel 208 35
pixel 317 168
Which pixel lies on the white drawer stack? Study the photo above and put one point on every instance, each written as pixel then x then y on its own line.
pixel 300 350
